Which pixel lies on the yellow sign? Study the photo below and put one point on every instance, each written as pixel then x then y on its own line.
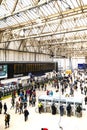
pixel 68 72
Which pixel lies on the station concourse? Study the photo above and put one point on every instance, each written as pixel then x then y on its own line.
pixel 38 37
pixel 37 121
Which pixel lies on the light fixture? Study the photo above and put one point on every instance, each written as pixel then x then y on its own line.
pixel 38 20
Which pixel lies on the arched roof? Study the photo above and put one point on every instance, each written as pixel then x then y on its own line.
pixel 56 27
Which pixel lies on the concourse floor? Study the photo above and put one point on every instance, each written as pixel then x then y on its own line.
pixel 37 121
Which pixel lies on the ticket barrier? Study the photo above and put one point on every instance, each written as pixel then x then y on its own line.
pixel 49 100
pixel 46 106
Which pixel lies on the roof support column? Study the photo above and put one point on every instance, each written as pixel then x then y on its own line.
pixel 35 56
pixel 70 64
pixel 85 59
pixel 64 63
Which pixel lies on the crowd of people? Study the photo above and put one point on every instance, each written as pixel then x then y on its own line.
pixel 23 99
pixel 70 85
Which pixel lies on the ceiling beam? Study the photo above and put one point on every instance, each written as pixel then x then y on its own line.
pixel 48 34
pixel 16 2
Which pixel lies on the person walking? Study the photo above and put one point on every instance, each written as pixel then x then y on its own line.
pixel 5 108
pixel 26 113
pixel 21 107
pixel 0 107
pixel 7 120
pixel 12 103
pixel 17 107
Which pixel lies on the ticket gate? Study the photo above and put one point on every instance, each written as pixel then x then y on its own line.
pixel 48 100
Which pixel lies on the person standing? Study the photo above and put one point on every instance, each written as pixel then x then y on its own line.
pixel 85 100
pixel 40 106
pixel 79 111
pixel 61 110
pixel 33 100
pixel 53 107
pixel 69 109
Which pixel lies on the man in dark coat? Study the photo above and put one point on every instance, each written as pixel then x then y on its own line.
pixel 53 109
pixel 61 110
pixel 26 113
pixel 7 120
pixel 5 108
pixel 69 109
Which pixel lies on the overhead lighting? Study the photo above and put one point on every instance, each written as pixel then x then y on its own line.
pixel 5 19
pixel 38 20
pixel 18 14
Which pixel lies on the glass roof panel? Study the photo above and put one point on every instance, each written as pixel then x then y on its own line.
pixel 44 12
pixel 10 4
pixel 71 4
pixel 3 24
pixel 24 16
pixel 61 5
pixel 85 2
pixel 35 13
pixel 22 4
pixel 67 4
pixel 47 8
pixel 20 17
pixel 11 21
pixel 53 7
pixel 3 11
pixel 30 16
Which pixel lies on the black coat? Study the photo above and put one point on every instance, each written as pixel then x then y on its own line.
pixel 26 113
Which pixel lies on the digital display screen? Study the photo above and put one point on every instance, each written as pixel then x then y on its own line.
pixel 3 71
pixel 1 67
pixel 82 66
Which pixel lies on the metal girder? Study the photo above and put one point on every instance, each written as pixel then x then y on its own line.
pixel 1 35
pixel 16 2
pixel 64 30
pixel 57 31
pixel 21 45
pixel 40 29
pixel 57 15
pixel 49 34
